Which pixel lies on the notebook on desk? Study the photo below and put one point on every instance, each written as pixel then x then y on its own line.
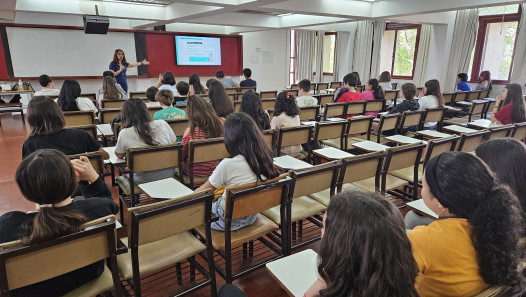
pixel 295 273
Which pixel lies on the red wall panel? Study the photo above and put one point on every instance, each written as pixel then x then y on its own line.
pixel 3 65
pixel 161 54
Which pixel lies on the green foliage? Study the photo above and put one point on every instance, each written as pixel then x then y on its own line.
pixel 405 52
pixel 510 30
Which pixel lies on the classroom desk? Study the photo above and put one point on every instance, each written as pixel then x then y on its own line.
pixel 295 273
pixel 167 188
pixel 484 124
pixel 419 207
pixel 458 129
pixel 308 123
pixel 105 130
pixel 432 134
pixel 113 160
pixel 290 163
pixel 330 153
pixel 370 146
pixel 401 139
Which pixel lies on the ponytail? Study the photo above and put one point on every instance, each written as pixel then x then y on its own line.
pixel 52 222
pixel 378 92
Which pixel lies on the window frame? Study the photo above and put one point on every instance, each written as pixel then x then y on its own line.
pixel 396 27
pixel 293 59
pixel 484 21
pixel 335 42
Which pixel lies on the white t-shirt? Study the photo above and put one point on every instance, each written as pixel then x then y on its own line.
pixel 84 103
pixel 284 121
pixel 429 101
pixel 304 101
pixel 169 87
pixel 386 85
pixel 231 172
pixel 161 133
pixel 48 92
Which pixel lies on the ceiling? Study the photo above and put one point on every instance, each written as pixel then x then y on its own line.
pixel 234 16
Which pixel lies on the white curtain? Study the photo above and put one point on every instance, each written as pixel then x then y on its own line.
pixel 363 46
pixel 464 37
pixel 420 76
pixel 305 42
pixel 518 74
pixel 336 69
pixel 378 34
pixel 319 56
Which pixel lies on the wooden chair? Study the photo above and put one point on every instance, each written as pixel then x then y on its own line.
pixel 330 131
pixel 358 130
pixel 322 87
pixel 477 108
pixel 469 141
pixel 269 136
pixel 107 115
pixel 412 118
pixel 12 107
pixel 232 97
pixel 461 96
pixel 335 84
pixel 137 94
pixel 159 238
pixel 374 105
pixel 78 118
pixel 313 87
pixel 391 95
pixel 305 182
pixel 294 87
pixel 244 89
pixel 178 126
pixel 325 99
pixel 484 94
pixel 292 136
pixel 90 96
pixel 335 110
pixel 309 113
pixel 237 106
pixel 199 151
pixel 435 114
pixel 489 108
pixel 293 92
pixel 355 108
pixel 242 201
pixel 449 98
pixel 268 103
pixel 24 265
pixel 145 159
pixel 394 85
pixel 388 122
pixel 473 95
pixel 95 159
pixel 112 103
pixel 501 132
pixel 90 129
pixel 153 110
pixel 268 94
pixel 519 132
pixel 231 90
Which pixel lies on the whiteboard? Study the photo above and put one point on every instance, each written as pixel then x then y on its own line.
pixel 61 52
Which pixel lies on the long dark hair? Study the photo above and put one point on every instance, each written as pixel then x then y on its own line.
pixel 243 137
pixel 68 93
pixel 285 103
pixel 202 115
pixel 514 96
pixel 357 75
pixel 509 167
pixel 168 78
pixel 194 80
pixel 109 89
pixel 116 59
pixel 487 76
pixel 385 77
pixel 135 114
pixel 469 190
pixel 378 92
pixel 433 88
pixel 44 116
pixel 364 249
pixel 45 177
pixel 251 105
pixel 219 99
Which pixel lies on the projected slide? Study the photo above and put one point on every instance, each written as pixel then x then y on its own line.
pixel 197 50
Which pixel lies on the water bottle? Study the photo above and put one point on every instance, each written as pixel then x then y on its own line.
pixel 20 85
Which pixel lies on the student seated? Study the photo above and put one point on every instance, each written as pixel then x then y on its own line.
pixel 462 85
pixel 48 178
pixel 373 90
pixel 48 87
pixel 347 92
pixel 364 249
pixel 251 162
pixel 109 91
pixel 139 130
pixel 286 114
pixel 251 105
pixel 182 89
pixel 358 80
pixel 69 99
pixel 474 244
pixel 196 88
pixel 305 99
pixel 209 81
pixel 151 93
pixel 248 82
pixel 46 122
pixel 100 90
pixel 167 82
pixel 430 97
pixel 219 99
pixel 510 107
pixel 484 81
pixel 385 81
pixel 169 112
pixel 203 123
pixel 409 103
pixel 227 82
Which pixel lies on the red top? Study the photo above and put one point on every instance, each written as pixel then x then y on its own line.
pixel 350 96
pixel 504 115
pixel 200 169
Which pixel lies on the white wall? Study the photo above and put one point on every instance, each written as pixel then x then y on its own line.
pixel 265 53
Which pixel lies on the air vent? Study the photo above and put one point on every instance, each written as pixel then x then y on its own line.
pixel 257 12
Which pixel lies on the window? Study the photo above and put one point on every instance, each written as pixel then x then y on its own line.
pixel 495 45
pixel 292 71
pixel 329 43
pixel 399 50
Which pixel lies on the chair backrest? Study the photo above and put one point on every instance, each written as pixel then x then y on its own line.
pixel 153 110
pixel 95 159
pixel 237 106
pixel 244 89
pixel 375 105
pixel 90 129
pixel 231 90
pixel 440 145
pixel 501 132
pixel 268 94
pixel 335 110
pixel 149 158
pixel 23 265
pixel 473 95
pixel 394 85
pixel 324 99
pixel 322 86
pixel 137 94
pixel 269 137
pixel 489 107
pixel 249 199
pixel 292 91
pixel 268 103
pixel 294 87
pixel 469 141
pixel 388 122
pixel 461 96
pixel 435 114
pixel 413 118
pixel 520 131
pixel 315 179
pixel 156 221
pixel 361 167
pixel 312 87
pixel 391 94
pixel 294 136
pixel 477 107
pixel 107 115
pixel 484 94
pixel 178 126
pixel 449 98
pixel 330 130
pixel 78 118
pixel 336 84
pixel 360 125
pixel 110 103
pixel 232 97
pixel 204 150
pixel 356 107
pixel 90 96
pixel 403 156
pixel 308 113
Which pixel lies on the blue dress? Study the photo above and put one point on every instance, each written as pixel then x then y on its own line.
pixel 121 78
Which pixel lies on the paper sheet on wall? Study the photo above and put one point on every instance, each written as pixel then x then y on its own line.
pixel 254 58
pixel 268 57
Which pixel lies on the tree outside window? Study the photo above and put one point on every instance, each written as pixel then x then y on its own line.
pixel 399 50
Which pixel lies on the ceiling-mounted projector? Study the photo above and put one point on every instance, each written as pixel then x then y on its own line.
pixel 96 24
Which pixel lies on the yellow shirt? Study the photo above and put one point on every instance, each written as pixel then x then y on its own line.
pixel 447 259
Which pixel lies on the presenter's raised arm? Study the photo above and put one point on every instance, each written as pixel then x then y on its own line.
pixel 143 62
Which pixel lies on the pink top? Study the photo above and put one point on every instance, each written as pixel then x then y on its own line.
pixel 366 96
